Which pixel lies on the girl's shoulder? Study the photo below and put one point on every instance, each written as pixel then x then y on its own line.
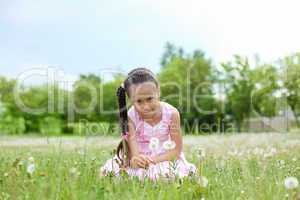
pixel 132 114
pixel 169 108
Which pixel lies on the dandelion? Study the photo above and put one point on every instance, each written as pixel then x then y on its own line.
pixel 169 145
pixel 201 153
pixel 220 165
pixel 277 94
pixel 30 168
pixel 31 159
pixel 281 163
pixel 258 86
pixel 154 144
pixel 73 170
pixel 291 183
pixel 280 83
pixel 81 152
pixel 202 181
pixel 154 140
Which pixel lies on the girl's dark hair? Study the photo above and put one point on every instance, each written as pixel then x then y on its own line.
pixel 136 76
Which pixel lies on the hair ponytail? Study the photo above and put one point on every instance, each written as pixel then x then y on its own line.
pixel 122 148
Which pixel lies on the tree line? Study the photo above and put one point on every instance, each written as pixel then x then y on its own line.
pixel 210 98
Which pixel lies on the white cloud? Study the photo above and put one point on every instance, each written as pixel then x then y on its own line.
pixel 268 28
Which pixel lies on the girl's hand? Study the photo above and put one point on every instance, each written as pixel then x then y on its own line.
pixel 141 161
pixel 146 161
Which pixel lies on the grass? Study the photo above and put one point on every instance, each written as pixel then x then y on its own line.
pixel 246 166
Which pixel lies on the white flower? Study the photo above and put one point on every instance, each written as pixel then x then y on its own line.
pixel 258 86
pixel 154 144
pixel 234 152
pixel 281 163
pixel 5 174
pixel 169 145
pixel 154 140
pixel 221 164
pixel 201 153
pixel 73 170
pixel 30 168
pixel 277 94
pixel 31 159
pixel 81 152
pixel 202 181
pixel 280 83
pixel 291 183
pixel 294 159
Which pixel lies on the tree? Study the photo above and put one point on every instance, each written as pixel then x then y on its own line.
pixel 265 81
pixel 86 97
pixel 291 83
pixel 109 103
pixel 186 83
pixel 11 119
pixel 239 86
pixel 171 52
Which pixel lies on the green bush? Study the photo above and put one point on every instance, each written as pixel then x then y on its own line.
pixel 12 125
pixel 50 126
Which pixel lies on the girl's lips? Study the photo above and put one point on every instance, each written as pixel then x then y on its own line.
pixel 147 113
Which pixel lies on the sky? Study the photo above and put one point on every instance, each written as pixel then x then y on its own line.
pixel 94 36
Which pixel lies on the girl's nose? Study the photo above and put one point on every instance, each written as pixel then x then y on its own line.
pixel 146 107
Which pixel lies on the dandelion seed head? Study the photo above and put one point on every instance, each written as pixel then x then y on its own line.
pixel 202 181
pixel 154 144
pixel 31 159
pixel 169 145
pixel 291 183
pixel 30 169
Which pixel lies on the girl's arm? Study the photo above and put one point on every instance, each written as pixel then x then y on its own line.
pixel 175 134
pixel 133 146
pixel 137 159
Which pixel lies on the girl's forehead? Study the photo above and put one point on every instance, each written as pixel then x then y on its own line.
pixel 143 89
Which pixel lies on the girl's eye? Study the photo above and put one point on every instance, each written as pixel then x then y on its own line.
pixel 149 98
pixel 139 101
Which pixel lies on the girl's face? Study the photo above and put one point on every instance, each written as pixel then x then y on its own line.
pixel 145 99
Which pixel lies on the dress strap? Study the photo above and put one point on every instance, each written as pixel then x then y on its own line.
pixel 167 115
pixel 139 123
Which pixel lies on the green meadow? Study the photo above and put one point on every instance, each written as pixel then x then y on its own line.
pixel 240 166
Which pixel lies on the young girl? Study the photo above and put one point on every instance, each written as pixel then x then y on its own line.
pixel 153 139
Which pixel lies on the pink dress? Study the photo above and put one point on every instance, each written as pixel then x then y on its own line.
pixel 144 132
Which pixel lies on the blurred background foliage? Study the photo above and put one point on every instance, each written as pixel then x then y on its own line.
pixel 210 98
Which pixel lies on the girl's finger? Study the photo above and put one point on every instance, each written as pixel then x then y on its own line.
pixel 144 158
pixel 151 160
pixel 141 161
pixel 141 164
